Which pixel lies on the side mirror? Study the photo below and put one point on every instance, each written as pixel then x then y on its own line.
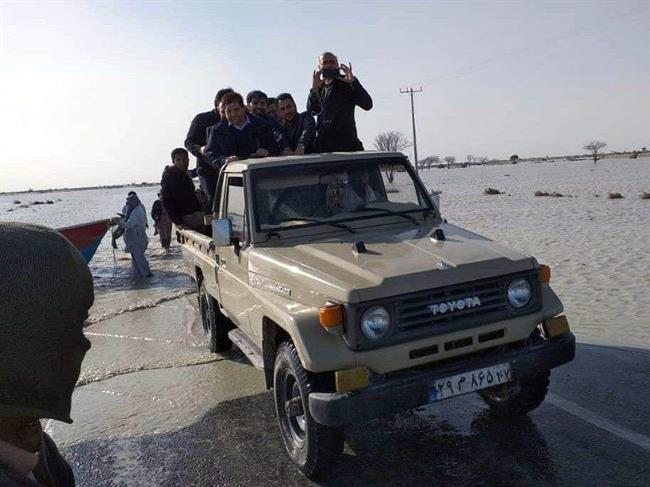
pixel 222 232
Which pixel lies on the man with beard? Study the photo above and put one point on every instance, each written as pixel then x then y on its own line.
pixel 257 105
pixel 195 142
pixel 272 110
pixel 299 127
pixel 333 98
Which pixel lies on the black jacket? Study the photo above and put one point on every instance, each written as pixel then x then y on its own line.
pixel 197 137
pixel 156 211
pixel 225 140
pixel 301 132
pixel 335 124
pixel 177 193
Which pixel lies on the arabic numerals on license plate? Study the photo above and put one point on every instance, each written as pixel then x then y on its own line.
pixel 469 381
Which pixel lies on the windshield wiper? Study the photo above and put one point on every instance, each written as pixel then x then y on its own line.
pixel 319 222
pixel 384 211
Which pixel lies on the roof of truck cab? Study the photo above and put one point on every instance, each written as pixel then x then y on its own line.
pixel 247 164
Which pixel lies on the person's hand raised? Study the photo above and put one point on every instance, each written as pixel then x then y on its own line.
pixel 232 158
pixel 349 77
pixel 316 81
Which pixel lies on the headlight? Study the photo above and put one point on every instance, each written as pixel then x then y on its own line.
pixel 519 293
pixel 375 322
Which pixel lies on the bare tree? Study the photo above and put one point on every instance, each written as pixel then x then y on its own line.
pixel 594 146
pixel 482 159
pixel 391 141
pixel 450 160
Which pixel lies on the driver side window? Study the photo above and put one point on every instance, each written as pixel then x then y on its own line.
pixel 236 207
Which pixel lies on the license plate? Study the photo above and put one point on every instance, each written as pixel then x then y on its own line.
pixel 469 382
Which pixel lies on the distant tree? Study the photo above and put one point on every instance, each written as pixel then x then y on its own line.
pixel 594 147
pixel 643 149
pixel 391 141
pixel 470 158
pixel 429 161
pixel 450 160
pixel 514 158
pixel 483 159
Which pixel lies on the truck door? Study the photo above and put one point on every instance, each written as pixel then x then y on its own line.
pixel 232 261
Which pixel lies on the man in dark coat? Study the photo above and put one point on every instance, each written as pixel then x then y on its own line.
pixel 240 136
pixel 332 99
pixel 177 193
pixel 257 103
pixel 46 290
pixel 195 142
pixel 299 127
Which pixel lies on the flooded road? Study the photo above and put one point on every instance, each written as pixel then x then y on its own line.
pixel 155 408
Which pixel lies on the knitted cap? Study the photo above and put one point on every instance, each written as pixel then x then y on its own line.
pixel 46 290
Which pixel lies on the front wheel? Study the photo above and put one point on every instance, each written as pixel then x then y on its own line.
pixel 517 398
pixel 313 447
pixel 214 323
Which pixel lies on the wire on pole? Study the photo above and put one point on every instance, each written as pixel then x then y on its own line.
pixel 410 91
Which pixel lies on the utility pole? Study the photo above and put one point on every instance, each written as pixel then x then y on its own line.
pixel 410 91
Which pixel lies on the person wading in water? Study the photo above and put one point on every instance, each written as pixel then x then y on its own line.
pixel 162 223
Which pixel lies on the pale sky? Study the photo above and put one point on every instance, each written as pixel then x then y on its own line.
pixel 100 92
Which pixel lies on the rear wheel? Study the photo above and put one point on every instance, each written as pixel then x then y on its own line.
pixel 214 323
pixel 313 447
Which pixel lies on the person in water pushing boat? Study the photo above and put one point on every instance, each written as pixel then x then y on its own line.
pixel 42 346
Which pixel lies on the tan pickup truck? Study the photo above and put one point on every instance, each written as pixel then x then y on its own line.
pixel 337 277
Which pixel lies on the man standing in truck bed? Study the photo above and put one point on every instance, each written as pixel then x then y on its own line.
pixel 240 136
pixel 332 98
pixel 195 143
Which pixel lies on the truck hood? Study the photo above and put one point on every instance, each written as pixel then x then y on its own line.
pixel 393 263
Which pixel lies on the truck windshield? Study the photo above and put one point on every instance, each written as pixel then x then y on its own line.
pixel 318 194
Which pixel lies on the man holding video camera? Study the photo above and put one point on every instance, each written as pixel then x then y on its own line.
pixel 334 94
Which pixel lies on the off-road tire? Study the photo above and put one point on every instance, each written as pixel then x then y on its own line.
pixel 517 398
pixel 214 323
pixel 321 446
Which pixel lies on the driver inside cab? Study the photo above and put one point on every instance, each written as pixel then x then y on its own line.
pixel 357 193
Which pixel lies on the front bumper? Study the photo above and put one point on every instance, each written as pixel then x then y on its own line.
pixel 410 389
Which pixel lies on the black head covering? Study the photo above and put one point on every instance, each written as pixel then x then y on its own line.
pixel 46 290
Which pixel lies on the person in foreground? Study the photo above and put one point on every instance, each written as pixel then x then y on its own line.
pixel 45 290
pixel 135 234
pixel 178 193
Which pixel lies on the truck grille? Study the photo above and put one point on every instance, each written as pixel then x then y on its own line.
pixel 413 311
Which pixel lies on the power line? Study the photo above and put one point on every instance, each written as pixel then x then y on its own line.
pixel 410 91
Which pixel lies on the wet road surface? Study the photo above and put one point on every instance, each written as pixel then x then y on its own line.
pixel 154 408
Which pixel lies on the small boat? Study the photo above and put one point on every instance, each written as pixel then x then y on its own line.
pixel 87 236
